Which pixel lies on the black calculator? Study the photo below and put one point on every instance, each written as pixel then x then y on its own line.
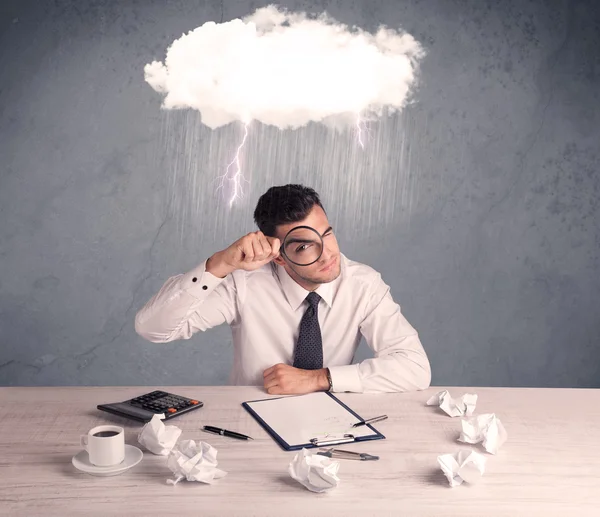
pixel 144 407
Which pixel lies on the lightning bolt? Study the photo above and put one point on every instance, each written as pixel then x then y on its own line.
pixel 359 131
pixel 237 177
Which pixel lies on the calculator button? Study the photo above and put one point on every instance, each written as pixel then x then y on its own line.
pixel 172 410
pixel 194 402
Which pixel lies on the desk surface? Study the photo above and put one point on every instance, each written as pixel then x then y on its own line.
pixel 550 464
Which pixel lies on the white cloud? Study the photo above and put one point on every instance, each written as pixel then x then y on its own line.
pixel 286 69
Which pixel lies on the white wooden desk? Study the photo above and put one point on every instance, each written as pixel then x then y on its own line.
pixel 550 464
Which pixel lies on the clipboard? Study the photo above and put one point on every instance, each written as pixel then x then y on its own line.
pixel 307 421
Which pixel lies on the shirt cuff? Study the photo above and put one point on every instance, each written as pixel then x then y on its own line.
pixel 346 378
pixel 199 282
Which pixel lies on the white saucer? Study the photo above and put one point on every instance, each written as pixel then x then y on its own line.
pixel 133 456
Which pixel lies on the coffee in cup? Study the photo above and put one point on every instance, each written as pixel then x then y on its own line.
pixel 106 434
pixel 105 445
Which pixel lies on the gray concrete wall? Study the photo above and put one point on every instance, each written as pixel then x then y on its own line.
pixel 496 260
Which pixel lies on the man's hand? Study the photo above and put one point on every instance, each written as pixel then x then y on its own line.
pixel 249 253
pixel 283 379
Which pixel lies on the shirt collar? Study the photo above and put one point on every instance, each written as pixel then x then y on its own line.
pixel 296 294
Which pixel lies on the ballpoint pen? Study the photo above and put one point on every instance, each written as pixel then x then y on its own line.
pixel 370 420
pixel 225 432
pixel 347 455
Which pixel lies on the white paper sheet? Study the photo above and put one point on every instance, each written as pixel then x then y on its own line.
pixel 317 473
pixel 297 419
pixel 194 462
pixel 463 405
pixel 486 428
pixel 158 437
pixel 465 465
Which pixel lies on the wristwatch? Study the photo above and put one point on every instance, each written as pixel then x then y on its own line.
pixel 329 380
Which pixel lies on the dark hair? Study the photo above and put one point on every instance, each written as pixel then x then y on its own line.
pixel 282 205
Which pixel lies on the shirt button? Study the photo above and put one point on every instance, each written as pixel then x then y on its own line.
pixel 194 279
pixel 205 287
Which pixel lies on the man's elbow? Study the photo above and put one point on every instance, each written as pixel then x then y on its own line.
pixel 417 376
pixel 423 372
pixel 413 375
pixel 143 329
pixel 156 333
pixel 423 380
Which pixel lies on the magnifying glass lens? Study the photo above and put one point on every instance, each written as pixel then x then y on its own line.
pixel 303 246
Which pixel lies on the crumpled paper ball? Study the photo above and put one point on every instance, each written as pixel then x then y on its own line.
pixel 194 462
pixel 158 437
pixel 315 472
pixel 463 405
pixel 465 465
pixel 486 428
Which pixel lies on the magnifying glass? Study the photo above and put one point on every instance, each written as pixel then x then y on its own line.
pixel 302 246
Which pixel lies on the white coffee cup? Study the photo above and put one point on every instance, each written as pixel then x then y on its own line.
pixel 105 445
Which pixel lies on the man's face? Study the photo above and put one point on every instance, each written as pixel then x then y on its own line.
pixel 328 267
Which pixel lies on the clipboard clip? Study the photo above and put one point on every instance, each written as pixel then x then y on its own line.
pixel 321 442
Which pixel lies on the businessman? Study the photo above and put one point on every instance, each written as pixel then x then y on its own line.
pixel 297 307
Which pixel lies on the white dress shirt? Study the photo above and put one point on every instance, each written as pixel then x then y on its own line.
pixel 264 308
